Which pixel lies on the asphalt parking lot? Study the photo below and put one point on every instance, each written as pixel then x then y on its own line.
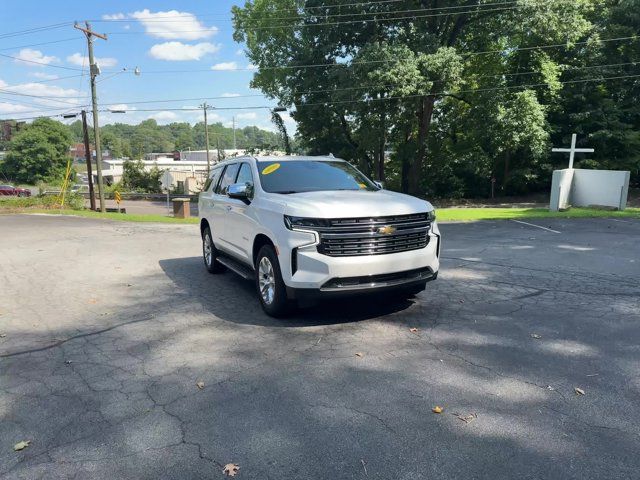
pixel 108 327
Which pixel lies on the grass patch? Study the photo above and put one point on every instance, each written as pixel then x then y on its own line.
pixel 474 214
pixel 123 217
pixel 443 214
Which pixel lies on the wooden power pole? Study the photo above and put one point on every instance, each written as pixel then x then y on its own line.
pixel 87 150
pixel 93 73
pixel 204 107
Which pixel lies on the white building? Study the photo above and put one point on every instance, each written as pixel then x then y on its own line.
pixel 188 176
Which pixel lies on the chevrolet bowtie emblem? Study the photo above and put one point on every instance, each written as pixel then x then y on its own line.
pixel 386 230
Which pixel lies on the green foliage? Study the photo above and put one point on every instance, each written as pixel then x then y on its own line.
pixel 452 120
pixel 136 179
pixel 71 201
pixel 40 151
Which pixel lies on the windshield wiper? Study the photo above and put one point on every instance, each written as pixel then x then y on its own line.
pixel 287 192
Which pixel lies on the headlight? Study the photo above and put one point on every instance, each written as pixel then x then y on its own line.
pixel 304 223
pixel 431 215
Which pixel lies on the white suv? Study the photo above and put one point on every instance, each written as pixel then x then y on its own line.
pixel 308 227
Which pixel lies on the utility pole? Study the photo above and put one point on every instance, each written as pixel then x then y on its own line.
pixel 93 73
pixel 234 133
pixel 204 107
pixel 87 153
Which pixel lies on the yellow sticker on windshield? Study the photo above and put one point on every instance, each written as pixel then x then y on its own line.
pixel 271 168
pixel 362 185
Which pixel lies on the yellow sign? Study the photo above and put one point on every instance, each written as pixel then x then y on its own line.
pixel 117 197
pixel 271 168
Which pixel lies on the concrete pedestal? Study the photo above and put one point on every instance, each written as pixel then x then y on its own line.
pixel 181 208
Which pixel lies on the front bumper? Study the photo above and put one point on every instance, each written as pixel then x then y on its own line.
pixel 305 269
pixel 340 287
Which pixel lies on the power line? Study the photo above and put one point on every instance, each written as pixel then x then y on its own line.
pixel 346 22
pixel 477 7
pixel 369 62
pixel 398 97
pixel 34 30
pixel 38 44
pixel 51 99
pixel 362 87
pixel 39 63
pixel 342 102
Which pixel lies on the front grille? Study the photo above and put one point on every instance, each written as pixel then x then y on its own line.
pixel 374 235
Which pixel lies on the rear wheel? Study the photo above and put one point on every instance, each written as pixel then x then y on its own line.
pixel 269 283
pixel 210 253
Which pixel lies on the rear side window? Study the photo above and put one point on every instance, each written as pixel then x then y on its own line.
pixel 212 181
pixel 228 177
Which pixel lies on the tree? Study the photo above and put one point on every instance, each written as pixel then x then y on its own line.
pixel 405 76
pixel 136 178
pixel 39 152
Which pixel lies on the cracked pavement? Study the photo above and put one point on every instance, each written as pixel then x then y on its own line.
pixel 110 325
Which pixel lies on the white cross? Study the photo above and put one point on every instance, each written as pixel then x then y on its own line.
pixel 573 150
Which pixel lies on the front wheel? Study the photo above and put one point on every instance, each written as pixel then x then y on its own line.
pixel 269 283
pixel 210 252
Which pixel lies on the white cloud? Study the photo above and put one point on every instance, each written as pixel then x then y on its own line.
pixel 230 95
pixel 173 25
pixel 247 116
pixel 29 55
pixel 66 98
pixel 225 66
pixel 178 51
pixel 8 108
pixel 114 16
pixel 81 60
pixel 44 76
pixel 251 66
pixel 121 106
pixel 164 116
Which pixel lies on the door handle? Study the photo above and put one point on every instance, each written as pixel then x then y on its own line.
pixel 228 208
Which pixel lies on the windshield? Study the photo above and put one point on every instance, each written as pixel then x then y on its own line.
pixel 296 176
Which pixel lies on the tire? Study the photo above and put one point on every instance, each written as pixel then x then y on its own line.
pixel 210 252
pixel 269 284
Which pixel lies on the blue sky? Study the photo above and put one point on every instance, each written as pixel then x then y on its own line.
pixel 154 36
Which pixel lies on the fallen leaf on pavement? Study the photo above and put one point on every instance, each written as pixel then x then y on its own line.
pixel 359 354
pixel 413 330
pixel 466 418
pixel 579 391
pixel 231 469
pixel 21 445
pixel 67 362
pixel 437 409
pixel 200 384
pixel 536 336
pixel 2 335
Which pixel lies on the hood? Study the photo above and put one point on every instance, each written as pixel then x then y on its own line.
pixel 352 203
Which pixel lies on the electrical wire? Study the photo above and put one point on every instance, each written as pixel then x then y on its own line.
pixel 39 63
pixel 346 22
pixel 478 7
pixel 38 44
pixel 370 62
pixel 34 30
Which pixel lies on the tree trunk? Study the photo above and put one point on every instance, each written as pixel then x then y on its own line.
pixel 381 146
pixel 505 178
pixel 425 113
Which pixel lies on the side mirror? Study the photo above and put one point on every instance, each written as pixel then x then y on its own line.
pixel 380 185
pixel 241 191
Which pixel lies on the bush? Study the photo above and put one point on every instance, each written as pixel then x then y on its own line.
pixel 45 202
pixel 137 179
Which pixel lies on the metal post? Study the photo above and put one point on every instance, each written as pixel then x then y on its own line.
pixel 235 147
pixel 206 138
pixel 87 153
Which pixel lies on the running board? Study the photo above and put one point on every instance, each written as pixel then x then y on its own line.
pixel 237 267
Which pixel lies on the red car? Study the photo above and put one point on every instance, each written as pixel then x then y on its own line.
pixel 14 191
